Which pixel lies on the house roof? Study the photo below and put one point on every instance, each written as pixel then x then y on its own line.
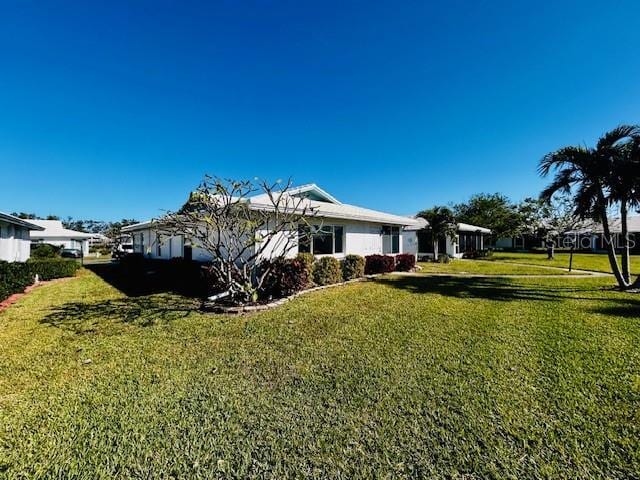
pixel 55 229
pixel 5 217
pixel 318 203
pixel 462 227
pixel 615 225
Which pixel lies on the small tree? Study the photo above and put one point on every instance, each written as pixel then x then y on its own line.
pixel 441 224
pixel 244 226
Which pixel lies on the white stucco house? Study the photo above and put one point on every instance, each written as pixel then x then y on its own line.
pixel 54 233
pixel 342 229
pixel 469 238
pixel 15 240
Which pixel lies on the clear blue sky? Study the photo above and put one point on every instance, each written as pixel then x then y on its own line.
pixel 113 110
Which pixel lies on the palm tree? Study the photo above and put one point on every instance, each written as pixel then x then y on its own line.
pixel 623 188
pixel 441 223
pixel 590 176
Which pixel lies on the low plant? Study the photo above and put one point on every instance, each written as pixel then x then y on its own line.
pixel 14 278
pixel 286 277
pixel 50 268
pixel 405 262
pixel 307 260
pixel 352 267
pixel 326 271
pixel 44 250
pixel 375 264
pixel 443 258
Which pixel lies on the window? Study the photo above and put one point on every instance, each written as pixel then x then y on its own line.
pixel 321 240
pixel 390 239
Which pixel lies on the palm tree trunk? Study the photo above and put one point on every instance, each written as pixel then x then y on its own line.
pixel 611 252
pixel 435 249
pixel 625 243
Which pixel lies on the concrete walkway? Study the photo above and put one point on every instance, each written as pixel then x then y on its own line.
pixel 574 272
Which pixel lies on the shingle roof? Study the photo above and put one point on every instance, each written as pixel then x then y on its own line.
pixel 54 229
pixel 462 227
pixel 5 217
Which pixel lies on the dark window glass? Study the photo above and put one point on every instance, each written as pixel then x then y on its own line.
pixel 323 241
pixel 395 240
pixel 338 239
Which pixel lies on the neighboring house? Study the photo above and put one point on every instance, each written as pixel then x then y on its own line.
pixel 15 242
pixel 592 237
pixel 589 237
pixel 53 232
pixel 468 239
pixel 341 230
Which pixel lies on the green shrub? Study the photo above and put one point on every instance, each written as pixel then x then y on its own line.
pixel 307 260
pixel 443 258
pixel 44 250
pixel 326 271
pixel 14 278
pixel 50 268
pixel 352 267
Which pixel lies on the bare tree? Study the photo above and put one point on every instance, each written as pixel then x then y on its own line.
pixel 244 226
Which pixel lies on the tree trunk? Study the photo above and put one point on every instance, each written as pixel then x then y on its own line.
pixel 626 274
pixel 611 252
pixel 435 249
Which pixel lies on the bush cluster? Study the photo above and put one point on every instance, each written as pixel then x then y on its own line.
pixel 352 267
pixel 50 268
pixel 375 264
pixel 44 250
pixel 286 277
pixel 405 262
pixel 326 271
pixel 16 276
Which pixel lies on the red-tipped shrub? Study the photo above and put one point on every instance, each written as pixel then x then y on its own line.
pixel 405 262
pixel 374 264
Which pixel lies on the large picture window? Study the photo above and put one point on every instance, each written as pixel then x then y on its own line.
pixel 390 239
pixel 321 240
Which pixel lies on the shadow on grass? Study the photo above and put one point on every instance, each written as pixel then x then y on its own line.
pixel 629 310
pixel 151 281
pixel 500 289
pixel 81 317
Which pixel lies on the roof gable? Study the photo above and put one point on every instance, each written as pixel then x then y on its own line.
pixel 313 192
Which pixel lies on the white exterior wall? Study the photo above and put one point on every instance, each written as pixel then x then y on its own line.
pixel 410 245
pixel 15 244
pixel 66 243
pixel 360 238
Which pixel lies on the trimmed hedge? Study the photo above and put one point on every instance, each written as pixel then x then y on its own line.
pixel 16 276
pixel 307 260
pixel 374 264
pixel 352 267
pixel 405 262
pixel 44 250
pixel 50 268
pixel 326 271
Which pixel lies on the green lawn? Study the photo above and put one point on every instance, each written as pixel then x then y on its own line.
pixel 478 267
pixel 401 377
pixel 583 261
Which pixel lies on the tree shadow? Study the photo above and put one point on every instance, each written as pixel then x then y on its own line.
pixel 154 279
pixel 83 318
pixel 500 289
pixel 628 309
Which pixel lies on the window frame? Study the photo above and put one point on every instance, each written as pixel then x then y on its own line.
pixel 308 245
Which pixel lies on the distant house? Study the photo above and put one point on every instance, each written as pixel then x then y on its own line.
pixel 15 241
pixel 468 239
pixel 53 232
pixel 338 229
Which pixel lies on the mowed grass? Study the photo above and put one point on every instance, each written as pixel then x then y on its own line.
pixel 395 378
pixel 479 267
pixel 596 262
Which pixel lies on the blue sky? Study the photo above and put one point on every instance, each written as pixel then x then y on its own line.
pixel 114 110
